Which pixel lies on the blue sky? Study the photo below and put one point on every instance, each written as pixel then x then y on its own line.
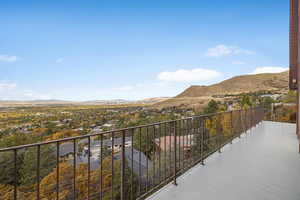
pixel 134 49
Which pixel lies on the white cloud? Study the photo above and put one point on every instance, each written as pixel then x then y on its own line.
pixel 238 62
pixel 269 69
pixel 7 58
pixel 192 75
pixel 224 50
pixel 59 60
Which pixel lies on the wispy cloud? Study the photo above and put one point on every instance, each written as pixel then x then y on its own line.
pixel 130 87
pixel 59 60
pixel 7 86
pixel 10 91
pixel 269 69
pixel 192 75
pixel 8 58
pixel 224 50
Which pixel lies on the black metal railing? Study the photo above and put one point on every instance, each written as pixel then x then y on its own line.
pixel 122 164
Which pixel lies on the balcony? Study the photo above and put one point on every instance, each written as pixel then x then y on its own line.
pixel 263 164
pixel 231 154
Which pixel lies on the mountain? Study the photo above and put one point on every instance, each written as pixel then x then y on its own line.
pixel 240 84
pixel 193 96
pixel 148 101
pixel 153 100
pixel 106 102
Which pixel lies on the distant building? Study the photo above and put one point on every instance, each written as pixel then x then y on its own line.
pixel 167 143
pixel 273 96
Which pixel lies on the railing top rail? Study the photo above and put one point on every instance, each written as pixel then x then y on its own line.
pixel 116 130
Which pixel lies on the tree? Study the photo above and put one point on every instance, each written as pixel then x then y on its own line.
pixel 144 141
pixel 291 97
pixel 212 107
pixel 29 166
pixel 63 134
pixel 246 101
pixel 266 102
pixel 7 170
pixel 66 176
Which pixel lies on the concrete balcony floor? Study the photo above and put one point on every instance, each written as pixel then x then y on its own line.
pixel 263 165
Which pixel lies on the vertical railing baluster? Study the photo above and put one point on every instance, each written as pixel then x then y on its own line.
pixel 74 169
pixel 245 120
pixel 192 140
pixel 187 128
pixel 140 160
pixel 231 127
pixel 186 139
pixel 159 153
pixel 165 151
pixel 175 151
pixel 38 171
pixel 154 157
pixel 57 171
pixel 185 146
pixel 89 167
pixel 123 167
pixel 147 154
pixel 15 175
pixel 198 140
pixel 112 164
pixel 190 132
pixel 219 131
pixel 199 137
pixel 240 124
pixel 101 165
pixel 202 141
pixel 131 177
pixel 179 144
pixel 170 150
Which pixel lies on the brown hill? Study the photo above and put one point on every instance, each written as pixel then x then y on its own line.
pixel 196 96
pixel 241 84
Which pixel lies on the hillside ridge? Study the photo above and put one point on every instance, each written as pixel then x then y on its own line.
pixel 240 84
pixel 198 96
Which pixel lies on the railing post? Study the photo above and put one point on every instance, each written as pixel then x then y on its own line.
pixel 101 165
pixel 246 121
pixel 175 153
pixel 202 141
pixel 219 134
pixel 123 167
pixel 38 172
pixel 89 168
pixel 112 164
pixel 241 123
pixel 57 170
pixel 74 169
pixel 15 175
pixel 231 126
